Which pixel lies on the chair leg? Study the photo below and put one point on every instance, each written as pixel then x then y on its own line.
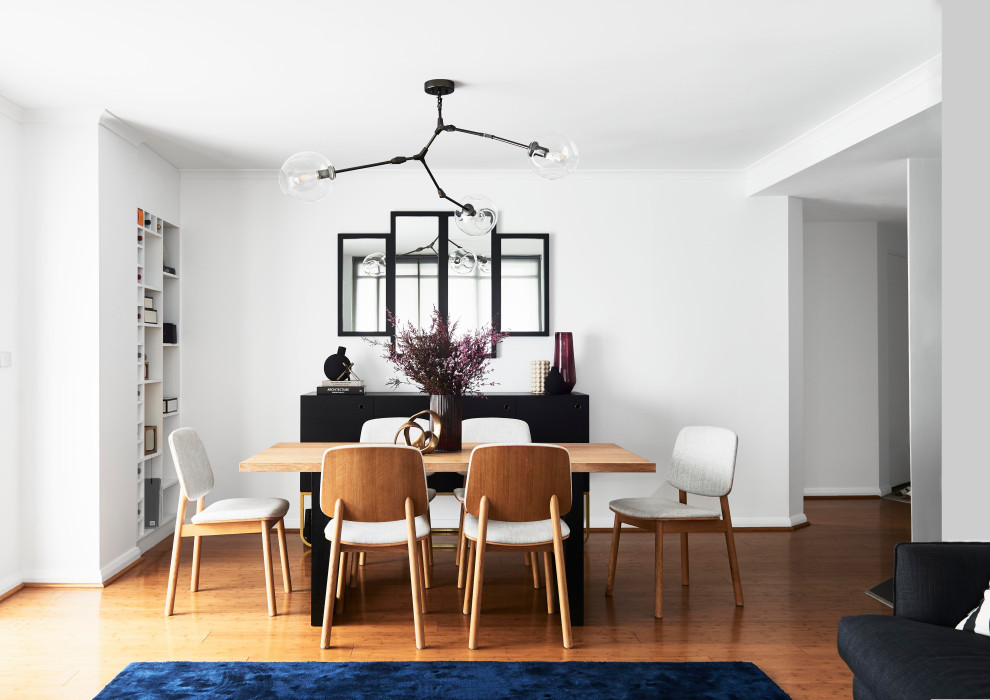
pixel 527 559
pixel 424 547
pixel 613 555
pixel 460 541
pixel 415 583
pixel 479 574
pixel 549 577
pixel 328 603
pixel 558 555
pixel 463 558
pixel 352 575
pixel 266 546
pixel 730 544
pixel 658 566
pixel 284 555
pixel 685 567
pixel 345 560
pixel 361 558
pixel 469 569
pixel 536 570
pixel 173 571
pixel 194 578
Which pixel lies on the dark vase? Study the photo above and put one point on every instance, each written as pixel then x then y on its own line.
pixel 563 357
pixel 554 383
pixel 337 365
pixel 451 411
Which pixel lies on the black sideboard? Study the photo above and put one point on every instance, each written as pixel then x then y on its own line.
pixel 562 418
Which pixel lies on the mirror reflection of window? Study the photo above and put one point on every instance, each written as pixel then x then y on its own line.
pixel 469 281
pixel 417 283
pixel 362 287
pixel 523 285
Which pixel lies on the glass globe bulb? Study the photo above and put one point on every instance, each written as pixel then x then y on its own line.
pixel 485 266
pixel 560 159
pixel 462 262
pixel 481 220
pixel 374 265
pixel 307 176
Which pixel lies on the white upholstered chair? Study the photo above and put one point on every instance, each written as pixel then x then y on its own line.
pixel 490 431
pixel 703 463
pixel 225 517
pixel 376 498
pixel 514 498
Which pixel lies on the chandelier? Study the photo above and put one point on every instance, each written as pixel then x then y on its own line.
pixel 309 176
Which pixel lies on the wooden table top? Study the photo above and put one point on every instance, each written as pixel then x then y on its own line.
pixel 308 457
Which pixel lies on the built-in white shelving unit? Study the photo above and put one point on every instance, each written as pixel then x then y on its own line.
pixel 157 372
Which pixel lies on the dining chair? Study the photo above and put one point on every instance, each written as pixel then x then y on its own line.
pixel 514 498
pixel 384 430
pixel 490 431
pixel 228 516
pixel 703 463
pixel 376 497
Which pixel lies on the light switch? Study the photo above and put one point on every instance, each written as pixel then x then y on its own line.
pixel 5 358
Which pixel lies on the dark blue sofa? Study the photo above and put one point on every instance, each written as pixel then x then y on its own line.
pixel 917 653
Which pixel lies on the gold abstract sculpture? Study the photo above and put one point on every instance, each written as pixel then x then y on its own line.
pixel 427 440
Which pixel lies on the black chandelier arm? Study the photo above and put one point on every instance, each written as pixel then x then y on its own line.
pixel 534 148
pixel 398 160
pixel 443 195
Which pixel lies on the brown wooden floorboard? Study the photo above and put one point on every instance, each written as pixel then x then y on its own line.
pixel 68 643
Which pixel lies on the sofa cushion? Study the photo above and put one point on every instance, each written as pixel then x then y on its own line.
pixel 899 658
pixel 978 619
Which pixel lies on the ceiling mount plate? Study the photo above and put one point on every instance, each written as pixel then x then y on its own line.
pixel 439 87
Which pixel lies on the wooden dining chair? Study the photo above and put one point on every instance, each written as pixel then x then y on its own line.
pixel 514 498
pixel 490 431
pixel 703 463
pixel 224 517
pixel 376 497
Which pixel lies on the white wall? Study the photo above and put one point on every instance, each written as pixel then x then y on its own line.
pixel 130 176
pixel 10 515
pixel 893 376
pixel 841 391
pixel 966 286
pixel 59 306
pixel 924 235
pixel 675 287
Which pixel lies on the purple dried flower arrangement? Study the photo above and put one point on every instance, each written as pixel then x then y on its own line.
pixel 436 361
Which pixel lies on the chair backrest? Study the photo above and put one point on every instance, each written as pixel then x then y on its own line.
pixel 373 482
pixel 504 430
pixel 384 429
pixel 704 460
pixel 192 466
pixel 518 481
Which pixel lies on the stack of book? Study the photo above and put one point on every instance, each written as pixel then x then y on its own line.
pixel 347 386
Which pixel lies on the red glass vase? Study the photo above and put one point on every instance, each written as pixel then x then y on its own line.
pixel 563 359
pixel 451 411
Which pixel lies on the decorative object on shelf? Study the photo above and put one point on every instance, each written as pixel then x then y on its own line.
pixel 151 316
pixel 563 358
pixel 146 370
pixel 170 335
pixel 337 367
pixel 442 365
pixel 140 218
pixel 150 439
pixel 149 302
pixel 538 375
pixel 170 404
pixel 147 222
pixel 554 383
pixel 166 263
pixel 428 440
pixel 309 176
pixel 354 387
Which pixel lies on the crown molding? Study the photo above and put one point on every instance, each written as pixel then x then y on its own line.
pixel 124 130
pixel 905 97
pixel 489 175
pixel 62 116
pixel 9 109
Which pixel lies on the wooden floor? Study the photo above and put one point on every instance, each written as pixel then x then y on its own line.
pixel 71 642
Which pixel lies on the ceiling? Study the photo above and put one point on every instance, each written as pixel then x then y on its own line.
pixel 662 84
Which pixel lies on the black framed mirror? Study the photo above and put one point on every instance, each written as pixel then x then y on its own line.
pixel 362 283
pixel 426 262
pixel 522 269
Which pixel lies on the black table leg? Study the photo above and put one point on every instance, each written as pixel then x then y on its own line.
pixel 574 547
pixel 320 557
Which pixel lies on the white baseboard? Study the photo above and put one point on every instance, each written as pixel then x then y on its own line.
pixel 9 583
pixel 842 491
pixel 120 563
pixel 63 576
pixel 786 522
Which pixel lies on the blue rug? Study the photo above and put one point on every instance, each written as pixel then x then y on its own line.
pixel 458 680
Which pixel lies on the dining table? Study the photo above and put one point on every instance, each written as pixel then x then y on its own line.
pixel 586 458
